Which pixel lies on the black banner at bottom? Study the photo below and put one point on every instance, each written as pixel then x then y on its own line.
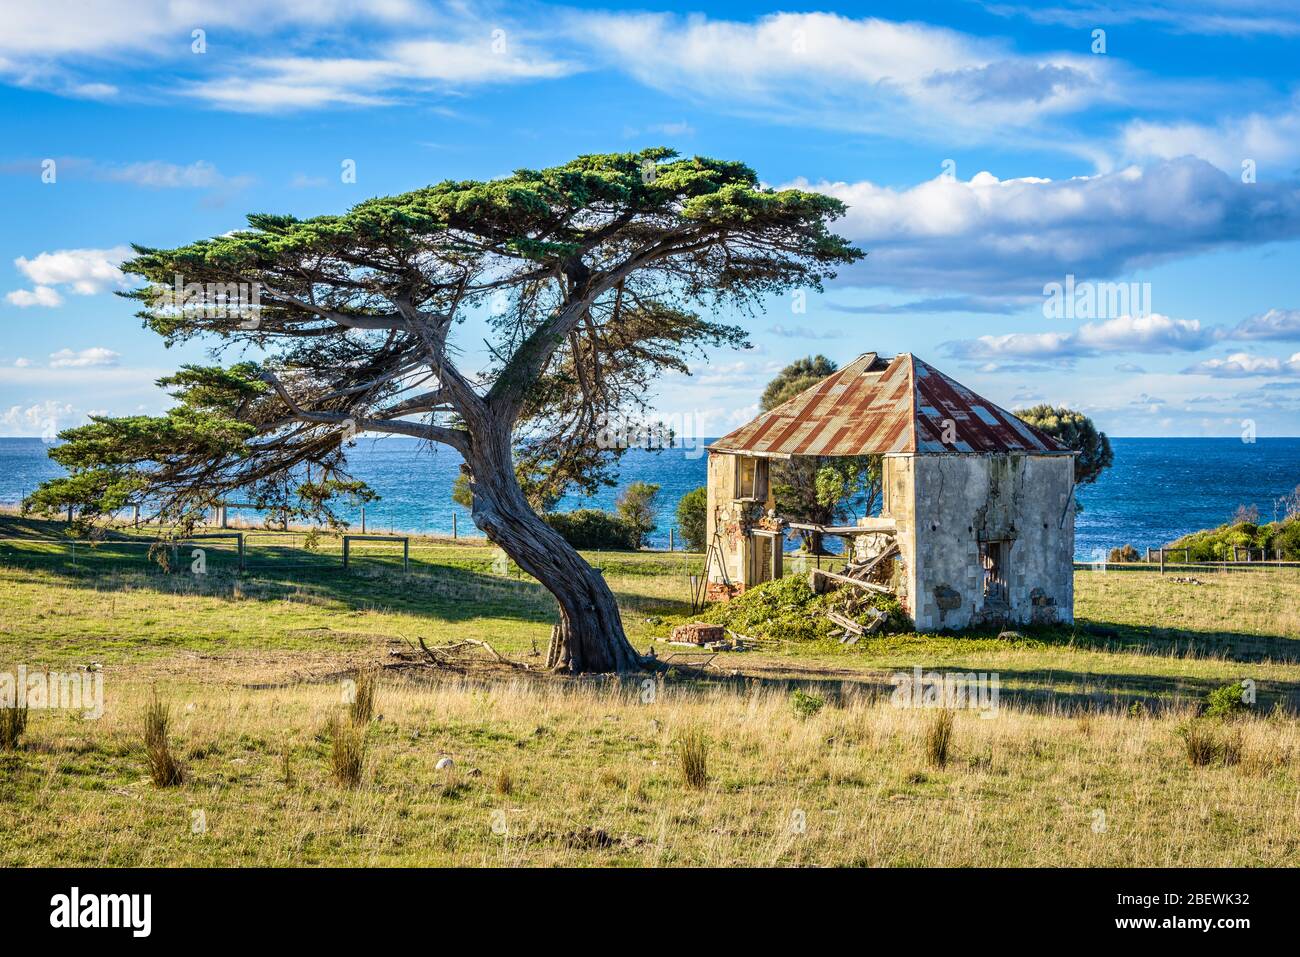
pixel 333 907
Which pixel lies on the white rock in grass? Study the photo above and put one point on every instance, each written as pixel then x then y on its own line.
pixel 445 764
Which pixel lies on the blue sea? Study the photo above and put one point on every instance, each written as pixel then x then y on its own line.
pixel 1157 490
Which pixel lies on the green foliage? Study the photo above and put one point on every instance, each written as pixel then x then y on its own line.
pixel 1216 544
pixel 798 376
pixel 1225 701
pixel 789 610
pixel 592 528
pixel 692 519
pixel 806 704
pixel 601 265
pixel 1075 431
pixel 637 507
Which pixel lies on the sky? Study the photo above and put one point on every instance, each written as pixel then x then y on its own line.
pixel 1090 204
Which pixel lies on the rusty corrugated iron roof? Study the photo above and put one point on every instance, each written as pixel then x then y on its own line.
pixel 875 405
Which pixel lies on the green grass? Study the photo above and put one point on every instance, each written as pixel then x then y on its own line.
pixel 556 771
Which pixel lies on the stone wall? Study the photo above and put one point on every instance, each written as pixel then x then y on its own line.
pixel 962 500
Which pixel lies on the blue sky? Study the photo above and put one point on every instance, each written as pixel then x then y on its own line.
pixel 986 150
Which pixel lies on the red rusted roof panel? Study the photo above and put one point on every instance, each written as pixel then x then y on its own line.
pixel 873 406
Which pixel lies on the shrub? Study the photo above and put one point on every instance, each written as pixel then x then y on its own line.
pixel 692 519
pixel 1125 553
pixel 638 509
pixel 805 704
pixel 348 752
pixel 1225 702
pixel 504 784
pixel 787 609
pixel 938 738
pixel 591 528
pixel 163 767
pixel 693 755
pixel 13 722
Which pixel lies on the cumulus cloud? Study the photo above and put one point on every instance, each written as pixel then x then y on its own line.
pixel 996 237
pixel 45 419
pixel 1269 142
pixel 40 296
pixel 848 73
pixel 1240 365
pixel 85 358
pixel 1146 334
pixel 82 271
pixel 1277 324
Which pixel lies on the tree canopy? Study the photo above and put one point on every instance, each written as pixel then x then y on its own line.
pixel 1075 431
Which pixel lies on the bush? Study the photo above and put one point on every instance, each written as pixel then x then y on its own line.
pixel 805 704
pixel 1215 544
pixel 692 519
pixel 1225 702
pixel 591 528
pixel 638 509
pixel 1126 553
pixel 787 609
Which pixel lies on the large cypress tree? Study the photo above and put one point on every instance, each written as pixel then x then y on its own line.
pixel 593 271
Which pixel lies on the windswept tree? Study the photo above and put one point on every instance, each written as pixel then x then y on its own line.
pixel 591 273
pixel 1075 431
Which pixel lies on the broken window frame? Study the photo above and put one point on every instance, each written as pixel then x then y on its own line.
pixel 751 488
pixel 995 563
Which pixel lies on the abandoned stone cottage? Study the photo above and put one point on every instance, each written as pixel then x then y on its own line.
pixel 976 524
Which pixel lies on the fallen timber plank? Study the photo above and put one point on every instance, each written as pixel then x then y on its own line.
pixel 816 573
pixel 845 530
pixel 864 570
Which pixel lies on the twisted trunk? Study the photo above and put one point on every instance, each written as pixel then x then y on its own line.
pixel 589 636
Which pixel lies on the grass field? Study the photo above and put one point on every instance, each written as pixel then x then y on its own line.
pixel 1086 760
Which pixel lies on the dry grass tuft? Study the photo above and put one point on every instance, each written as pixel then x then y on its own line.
pixel 348 747
pixel 13 722
pixel 163 766
pixel 362 707
pixel 693 757
pixel 938 738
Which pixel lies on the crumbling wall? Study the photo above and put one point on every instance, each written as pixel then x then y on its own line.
pixel 961 500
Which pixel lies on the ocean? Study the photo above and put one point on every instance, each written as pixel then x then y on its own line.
pixel 1157 490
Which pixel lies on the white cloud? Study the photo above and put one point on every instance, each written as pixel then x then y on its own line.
pixel 1271 141
pixel 1146 334
pixel 290 83
pixel 40 296
pixel 1279 324
pixel 94 356
pixel 82 271
pixel 160 175
pixel 1242 364
pixel 1009 237
pixel 848 73
pixel 44 419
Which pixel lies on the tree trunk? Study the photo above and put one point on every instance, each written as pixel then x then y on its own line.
pixel 589 636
